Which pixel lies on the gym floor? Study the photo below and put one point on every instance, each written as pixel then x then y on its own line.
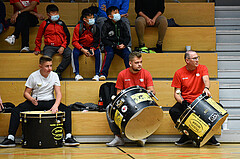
pixel 150 151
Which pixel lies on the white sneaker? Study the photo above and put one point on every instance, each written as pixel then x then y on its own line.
pixel 117 141
pixel 78 77
pixel 102 78
pixel 95 78
pixel 25 49
pixel 141 143
pixel 10 40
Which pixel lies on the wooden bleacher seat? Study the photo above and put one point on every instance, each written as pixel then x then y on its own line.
pixel 186 14
pixel 87 91
pixel 96 124
pixel 164 65
pixel 176 38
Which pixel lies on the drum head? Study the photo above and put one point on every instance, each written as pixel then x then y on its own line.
pixel 213 130
pixel 144 123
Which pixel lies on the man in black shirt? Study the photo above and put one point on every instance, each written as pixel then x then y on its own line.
pixel 149 13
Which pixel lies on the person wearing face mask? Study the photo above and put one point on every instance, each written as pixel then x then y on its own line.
pixel 25 16
pixel 122 5
pixel 86 40
pixel 115 37
pixel 56 38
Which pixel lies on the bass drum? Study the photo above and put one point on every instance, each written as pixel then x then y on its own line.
pixel 135 113
pixel 201 120
pixel 42 129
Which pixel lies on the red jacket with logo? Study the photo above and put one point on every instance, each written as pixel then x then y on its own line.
pixel 55 34
pixel 87 38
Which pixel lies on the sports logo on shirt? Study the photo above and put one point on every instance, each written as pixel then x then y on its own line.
pixel 127 80
pixel 184 78
pixel 25 3
pixel 197 74
pixel 141 80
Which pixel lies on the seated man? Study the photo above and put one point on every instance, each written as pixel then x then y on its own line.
pixel 86 39
pixel 115 37
pixel 41 98
pixel 122 5
pixel 149 13
pixel 25 16
pixel 192 80
pixel 56 38
pixel 132 76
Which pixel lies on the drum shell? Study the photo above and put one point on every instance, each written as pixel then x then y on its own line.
pixel 201 118
pixel 124 107
pixel 42 132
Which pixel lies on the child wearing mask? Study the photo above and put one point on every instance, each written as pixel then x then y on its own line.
pixel 56 38
pixel 86 40
pixel 115 37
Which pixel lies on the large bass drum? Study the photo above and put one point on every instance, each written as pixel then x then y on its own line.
pixel 135 113
pixel 201 120
pixel 42 129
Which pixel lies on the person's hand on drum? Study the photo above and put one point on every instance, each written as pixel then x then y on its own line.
pixel 34 101
pixel 54 109
pixel 206 90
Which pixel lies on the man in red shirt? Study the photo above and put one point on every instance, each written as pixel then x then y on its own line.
pixel 56 38
pixel 132 76
pixel 25 16
pixel 192 80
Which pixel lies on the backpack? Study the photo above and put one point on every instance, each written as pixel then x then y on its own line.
pixel 106 91
pixel 81 29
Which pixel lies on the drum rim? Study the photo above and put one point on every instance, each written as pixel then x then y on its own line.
pixel 126 91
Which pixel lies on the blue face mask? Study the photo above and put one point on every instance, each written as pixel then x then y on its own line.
pixel 91 21
pixel 116 17
pixel 55 18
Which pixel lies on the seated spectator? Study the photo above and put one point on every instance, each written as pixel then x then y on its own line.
pixel 56 38
pixel 122 5
pixel 149 13
pixel 25 16
pixel 115 37
pixel 86 39
pixel 2 16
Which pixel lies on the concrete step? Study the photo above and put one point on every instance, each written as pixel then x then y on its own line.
pixel 228 36
pixel 229 74
pixel 230 86
pixel 228 79
pixel 227 27
pixel 227 12
pixel 227 2
pixel 230 103
pixel 229 93
pixel 234 47
pixel 227 21
pixel 229 63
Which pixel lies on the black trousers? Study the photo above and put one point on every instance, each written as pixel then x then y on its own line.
pixel 176 111
pixel 42 105
pixel 24 21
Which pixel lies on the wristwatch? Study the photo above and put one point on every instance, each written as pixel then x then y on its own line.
pixel 207 88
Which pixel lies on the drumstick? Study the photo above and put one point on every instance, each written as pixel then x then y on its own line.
pixel 39 85
pixel 151 94
pixel 179 93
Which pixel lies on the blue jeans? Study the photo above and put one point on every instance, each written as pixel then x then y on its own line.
pixel 109 54
pixel 75 64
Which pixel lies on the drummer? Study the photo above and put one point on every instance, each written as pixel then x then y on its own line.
pixel 192 80
pixel 132 76
pixel 39 90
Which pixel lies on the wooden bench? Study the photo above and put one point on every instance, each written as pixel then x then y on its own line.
pixel 164 65
pixel 186 14
pixel 176 38
pixel 95 123
pixel 87 91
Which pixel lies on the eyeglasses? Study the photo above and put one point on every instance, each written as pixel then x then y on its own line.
pixel 195 58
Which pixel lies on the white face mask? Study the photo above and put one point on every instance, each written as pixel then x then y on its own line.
pixel 55 18
pixel 116 17
pixel 91 21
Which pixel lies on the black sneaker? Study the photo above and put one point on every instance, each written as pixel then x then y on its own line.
pixel 158 49
pixel 8 143
pixel 71 142
pixel 213 141
pixel 183 140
